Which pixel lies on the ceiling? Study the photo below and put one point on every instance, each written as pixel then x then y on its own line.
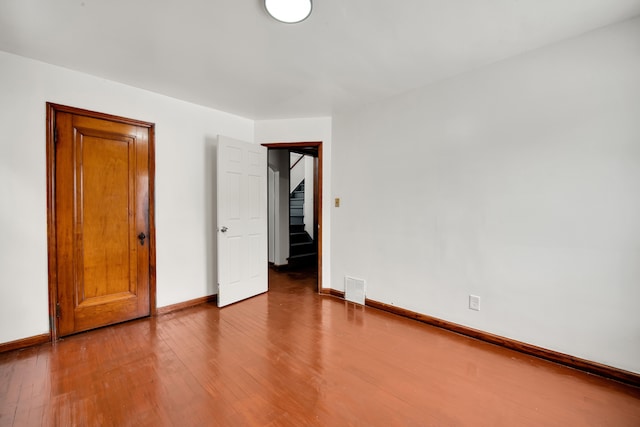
pixel 229 55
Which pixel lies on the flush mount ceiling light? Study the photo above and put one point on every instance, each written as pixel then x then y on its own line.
pixel 289 11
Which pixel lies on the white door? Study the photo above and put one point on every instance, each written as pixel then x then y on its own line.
pixel 242 220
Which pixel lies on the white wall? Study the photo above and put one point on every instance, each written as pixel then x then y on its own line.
pixel 272 178
pixel 306 130
pixel 520 183
pixel 297 172
pixel 185 209
pixel 304 170
pixel 279 162
pixel 309 163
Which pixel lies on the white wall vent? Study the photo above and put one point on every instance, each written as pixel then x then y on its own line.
pixel 354 290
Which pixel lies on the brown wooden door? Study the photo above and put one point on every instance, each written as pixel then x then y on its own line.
pixel 101 221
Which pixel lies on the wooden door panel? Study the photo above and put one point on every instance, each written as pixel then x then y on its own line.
pixel 102 205
pixel 105 172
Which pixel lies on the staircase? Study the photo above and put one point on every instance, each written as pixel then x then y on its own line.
pixel 302 248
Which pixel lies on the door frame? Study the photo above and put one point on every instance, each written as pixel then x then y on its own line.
pixel 52 110
pixel 318 197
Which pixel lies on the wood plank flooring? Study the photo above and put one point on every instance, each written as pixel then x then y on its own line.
pixel 294 358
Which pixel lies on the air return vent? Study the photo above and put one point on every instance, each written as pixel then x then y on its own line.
pixel 354 290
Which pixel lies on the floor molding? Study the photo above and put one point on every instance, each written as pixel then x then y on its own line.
pixel 25 342
pixel 186 304
pixel 45 338
pixel 333 292
pixel 543 353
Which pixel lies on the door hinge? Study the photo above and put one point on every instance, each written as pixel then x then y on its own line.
pixel 58 310
pixel 55 136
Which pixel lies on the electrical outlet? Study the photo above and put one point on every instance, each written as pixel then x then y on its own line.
pixel 337 202
pixel 474 302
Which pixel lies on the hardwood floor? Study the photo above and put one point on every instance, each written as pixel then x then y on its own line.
pixel 293 358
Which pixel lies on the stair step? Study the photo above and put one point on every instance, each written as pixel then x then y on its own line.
pixel 297 195
pixel 302 244
pixel 302 256
pixel 296 202
pixel 296 228
pixel 300 237
pixel 302 260
pixel 294 211
pixel 302 248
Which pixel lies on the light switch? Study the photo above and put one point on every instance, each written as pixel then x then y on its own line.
pixel 337 202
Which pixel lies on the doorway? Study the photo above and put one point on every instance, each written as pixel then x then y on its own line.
pixel 100 217
pixel 287 203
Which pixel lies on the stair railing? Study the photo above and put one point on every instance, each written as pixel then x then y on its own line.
pixel 296 162
pixel 296 173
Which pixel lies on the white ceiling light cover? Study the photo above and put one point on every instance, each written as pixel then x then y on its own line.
pixel 289 11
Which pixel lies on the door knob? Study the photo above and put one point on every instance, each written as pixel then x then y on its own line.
pixel 223 229
pixel 141 237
